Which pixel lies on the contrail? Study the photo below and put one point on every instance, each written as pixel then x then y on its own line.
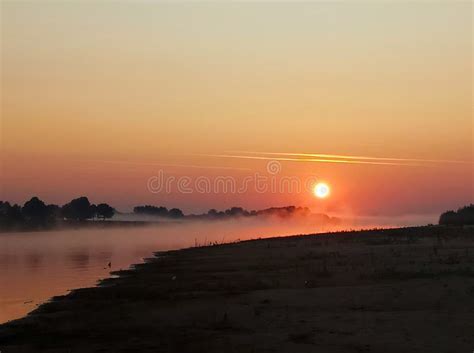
pixel 349 157
pixel 172 165
pixel 316 160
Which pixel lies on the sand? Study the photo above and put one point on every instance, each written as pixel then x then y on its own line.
pixel 402 290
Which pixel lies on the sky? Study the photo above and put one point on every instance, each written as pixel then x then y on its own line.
pixel 106 99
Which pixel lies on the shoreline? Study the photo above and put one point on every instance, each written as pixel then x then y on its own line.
pixel 306 292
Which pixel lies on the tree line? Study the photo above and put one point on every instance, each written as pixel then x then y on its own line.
pixel 233 212
pixel 281 212
pixel 158 211
pixel 463 216
pixel 36 214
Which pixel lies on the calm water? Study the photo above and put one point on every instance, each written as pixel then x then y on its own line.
pixel 38 265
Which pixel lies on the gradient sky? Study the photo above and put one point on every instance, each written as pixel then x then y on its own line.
pixel 98 97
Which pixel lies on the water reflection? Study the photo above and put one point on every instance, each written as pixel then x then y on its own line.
pixel 37 266
pixel 33 260
pixel 78 259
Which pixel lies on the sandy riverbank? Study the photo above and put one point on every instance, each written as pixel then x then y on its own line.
pixel 402 290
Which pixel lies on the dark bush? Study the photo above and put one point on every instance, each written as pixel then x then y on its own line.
pixel 463 216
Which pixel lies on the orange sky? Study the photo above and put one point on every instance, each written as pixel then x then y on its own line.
pixel 97 98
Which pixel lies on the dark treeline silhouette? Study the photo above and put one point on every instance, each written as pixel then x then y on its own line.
pixel 35 214
pixel 463 216
pixel 159 211
pixel 282 212
pixel 233 212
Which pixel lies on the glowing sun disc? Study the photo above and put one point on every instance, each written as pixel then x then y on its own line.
pixel 322 190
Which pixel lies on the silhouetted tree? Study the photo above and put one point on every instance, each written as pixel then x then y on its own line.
pixel 78 209
pixel 104 211
pixel 4 209
pixel 53 214
pixel 448 218
pixel 466 215
pixel 463 216
pixel 158 211
pixel 151 210
pixel 10 216
pixel 175 213
pixel 235 211
pixel 212 213
pixel 93 211
pixel 35 212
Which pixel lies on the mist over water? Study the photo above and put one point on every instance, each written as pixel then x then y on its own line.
pixel 34 266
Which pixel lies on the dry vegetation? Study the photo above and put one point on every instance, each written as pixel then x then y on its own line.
pixel 401 290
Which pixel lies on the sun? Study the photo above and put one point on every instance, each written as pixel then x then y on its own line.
pixel 321 190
